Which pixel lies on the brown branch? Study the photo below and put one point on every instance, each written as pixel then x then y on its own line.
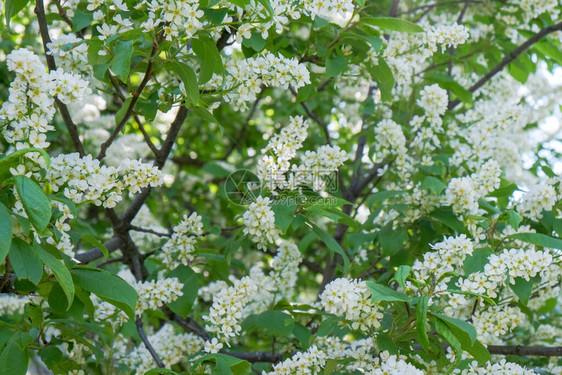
pixel 63 109
pixel 183 160
pixel 535 351
pixel 146 343
pixel 255 356
pixel 131 107
pixel 135 117
pixel 95 253
pixel 150 231
pixel 244 130
pixel 509 58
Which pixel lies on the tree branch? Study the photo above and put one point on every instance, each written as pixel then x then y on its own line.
pixel 255 356
pixel 509 58
pixel 147 344
pixel 313 116
pixel 95 253
pixel 63 109
pixel 534 351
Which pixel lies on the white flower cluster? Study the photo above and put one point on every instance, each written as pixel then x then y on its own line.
pixel 31 105
pixel 105 312
pixel 226 311
pixel 500 368
pixel 463 192
pixel 538 198
pixel 302 363
pixel 172 348
pixel 176 17
pixel 496 321
pixel 510 263
pixel 72 59
pixel 64 242
pixel 155 293
pixel 434 100
pixel 12 304
pixel 276 170
pixel 179 249
pixel 327 8
pixel 245 77
pixel 85 180
pixel 285 269
pixel 259 223
pixel 405 52
pixel 393 365
pixel 389 139
pixel 351 299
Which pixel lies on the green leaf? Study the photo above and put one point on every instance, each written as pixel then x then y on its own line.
pixel 188 77
pixel 402 274
pixel 327 326
pixel 62 273
pixel 522 289
pixel 384 293
pixel 108 287
pixel 35 202
pixel 392 24
pixel 505 191
pixel 443 330
pixel 392 240
pixel 384 78
pixel 12 7
pixel 514 219
pixel 13 360
pixel 476 262
pixel 186 276
pixel 335 66
pixel 95 242
pixel 460 324
pixel 5 232
pixel 211 61
pixel 275 322
pixel 434 184
pixel 255 42
pixel 81 19
pixel 284 211
pixel 332 244
pixel 120 114
pixel 25 262
pixel 330 366
pixel 446 216
pixel 381 196
pixel 121 63
pixel 538 239
pixel 421 322
pixel 226 364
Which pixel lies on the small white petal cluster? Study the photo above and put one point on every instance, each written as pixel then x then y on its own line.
pixel 497 321
pixel 500 368
pixel 351 299
pixel 212 346
pixel 71 59
pixel 179 249
pixel 259 223
pixel 12 304
pixel 302 363
pixel 327 8
pixel 463 192
pixel 176 17
pixel 172 348
pixel 30 106
pixel 105 312
pixel 64 242
pixel 538 198
pixel 389 139
pixel 245 77
pixel 510 263
pixel 276 171
pixel 86 180
pixel 447 36
pixel 155 293
pixel 285 269
pixel 434 100
pixel 393 365
pixel 225 313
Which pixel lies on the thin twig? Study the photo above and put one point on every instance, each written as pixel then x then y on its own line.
pixel 151 231
pixel 146 343
pixel 509 58
pixel 63 109
pixel 313 116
